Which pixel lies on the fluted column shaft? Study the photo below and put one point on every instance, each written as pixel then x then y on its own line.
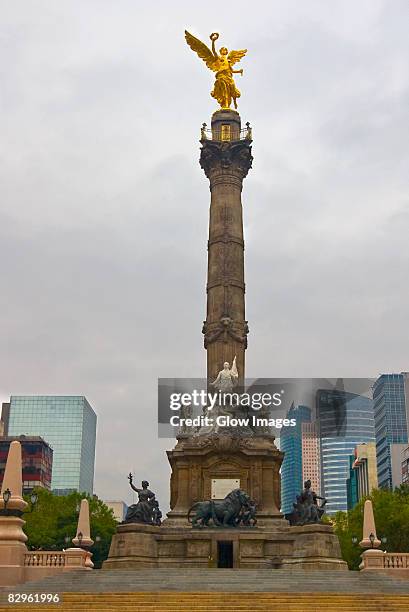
pixel 226 163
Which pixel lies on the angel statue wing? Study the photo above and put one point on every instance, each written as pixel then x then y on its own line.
pixel 203 51
pixel 236 56
pixel 233 370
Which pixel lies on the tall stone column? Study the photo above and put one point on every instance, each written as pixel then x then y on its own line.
pixel 226 159
pixel 200 459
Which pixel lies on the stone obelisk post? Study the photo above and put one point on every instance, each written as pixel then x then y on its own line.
pixel 83 536
pixel 12 536
pixel 226 159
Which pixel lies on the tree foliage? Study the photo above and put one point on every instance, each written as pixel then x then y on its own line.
pixel 391 512
pixel 55 517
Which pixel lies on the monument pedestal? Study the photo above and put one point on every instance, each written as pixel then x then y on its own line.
pixel 200 464
pixel 140 546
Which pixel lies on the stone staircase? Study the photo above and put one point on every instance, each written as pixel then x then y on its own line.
pixel 217 590
pixel 216 602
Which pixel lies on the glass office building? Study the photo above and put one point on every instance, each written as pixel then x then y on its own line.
pixel 68 424
pixel 352 485
pixel 292 467
pixel 390 424
pixel 345 420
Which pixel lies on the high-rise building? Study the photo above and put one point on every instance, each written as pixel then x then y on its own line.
pixel 396 452
pixel 68 423
pixel 310 448
pixel 363 476
pixel 405 465
pixel 352 485
pixel 5 411
pixel 119 508
pixel 405 452
pixel 292 467
pixel 390 426
pixel 37 461
pixel 345 420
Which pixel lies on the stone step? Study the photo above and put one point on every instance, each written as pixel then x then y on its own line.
pixel 209 570
pixel 60 587
pixel 222 573
pixel 216 602
pixel 294 606
pixel 217 580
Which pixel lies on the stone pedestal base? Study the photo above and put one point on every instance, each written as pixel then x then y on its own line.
pixel 315 547
pixel 12 550
pixel 12 563
pixel 199 460
pixel 140 546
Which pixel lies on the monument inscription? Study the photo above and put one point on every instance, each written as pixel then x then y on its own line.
pixel 221 487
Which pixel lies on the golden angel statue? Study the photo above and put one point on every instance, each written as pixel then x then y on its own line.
pixel 224 90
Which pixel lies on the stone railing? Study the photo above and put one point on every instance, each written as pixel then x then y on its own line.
pixel 227 135
pixel 38 564
pixel 400 560
pixel 385 562
pixel 44 559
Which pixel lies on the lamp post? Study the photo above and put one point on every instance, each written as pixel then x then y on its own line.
pixel 33 500
pixel 6 499
pixel 354 540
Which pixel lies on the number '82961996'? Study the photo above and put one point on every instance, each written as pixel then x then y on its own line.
pixel 33 598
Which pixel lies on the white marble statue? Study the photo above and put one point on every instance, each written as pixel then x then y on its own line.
pixel 227 378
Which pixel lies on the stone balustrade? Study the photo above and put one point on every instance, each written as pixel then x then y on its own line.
pixel 385 562
pixel 41 563
pixel 44 559
pixel 396 560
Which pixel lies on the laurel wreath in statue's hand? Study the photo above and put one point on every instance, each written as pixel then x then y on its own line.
pixel 214 36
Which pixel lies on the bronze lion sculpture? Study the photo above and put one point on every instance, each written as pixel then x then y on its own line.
pixel 224 513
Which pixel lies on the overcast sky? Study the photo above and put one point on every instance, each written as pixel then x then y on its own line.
pixel 104 208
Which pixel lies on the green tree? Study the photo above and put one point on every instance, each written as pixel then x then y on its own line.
pixel 55 517
pixel 391 512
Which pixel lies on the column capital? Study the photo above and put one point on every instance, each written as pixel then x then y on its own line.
pixel 231 157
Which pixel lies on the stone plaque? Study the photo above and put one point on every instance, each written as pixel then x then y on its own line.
pixel 223 486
